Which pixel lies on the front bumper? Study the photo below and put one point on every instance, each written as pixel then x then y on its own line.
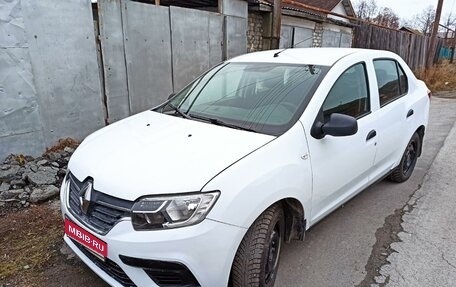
pixel 206 249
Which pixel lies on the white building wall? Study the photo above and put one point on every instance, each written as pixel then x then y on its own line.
pixel 339 9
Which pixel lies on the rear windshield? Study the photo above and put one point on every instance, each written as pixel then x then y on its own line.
pixel 262 97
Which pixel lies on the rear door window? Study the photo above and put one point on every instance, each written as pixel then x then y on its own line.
pixel 391 79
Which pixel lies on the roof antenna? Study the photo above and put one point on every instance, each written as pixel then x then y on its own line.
pixel 278 53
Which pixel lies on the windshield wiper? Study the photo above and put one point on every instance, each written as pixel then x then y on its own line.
pixel 218 122
pixel 178 111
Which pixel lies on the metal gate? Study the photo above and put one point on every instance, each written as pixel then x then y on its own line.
pixel 151 51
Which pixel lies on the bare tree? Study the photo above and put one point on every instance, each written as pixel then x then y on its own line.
pixel 423 21
pixel 387 17
pixel 450 22
pixel 366 9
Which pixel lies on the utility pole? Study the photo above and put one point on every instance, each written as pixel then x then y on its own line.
pixel 276 24
pixel 453 48
pixel 435 30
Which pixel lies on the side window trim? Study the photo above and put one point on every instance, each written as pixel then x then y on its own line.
pixel 366 76
pixel 398 66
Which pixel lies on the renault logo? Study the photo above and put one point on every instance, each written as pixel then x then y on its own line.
pixel 85 195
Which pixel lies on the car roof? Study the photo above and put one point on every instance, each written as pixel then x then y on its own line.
pixel 308 56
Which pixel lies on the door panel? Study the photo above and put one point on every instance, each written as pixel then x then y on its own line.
pixel 392 125
pixel 342 165
pixel 391 129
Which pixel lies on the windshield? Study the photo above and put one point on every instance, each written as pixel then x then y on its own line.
pixel 260 97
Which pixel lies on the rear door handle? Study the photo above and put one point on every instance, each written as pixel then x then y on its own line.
pixel 410 113
pixel 372 134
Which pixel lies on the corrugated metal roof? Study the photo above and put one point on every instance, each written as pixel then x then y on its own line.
pixel 322 4
pixel 181 3
pixel 190 3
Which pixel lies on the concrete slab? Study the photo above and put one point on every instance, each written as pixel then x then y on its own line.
pixel 65 69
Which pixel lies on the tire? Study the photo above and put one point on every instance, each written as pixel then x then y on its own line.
pixel 257 258
pixel 408 161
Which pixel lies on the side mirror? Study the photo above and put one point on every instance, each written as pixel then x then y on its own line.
pixel 339 125
pixel 171 95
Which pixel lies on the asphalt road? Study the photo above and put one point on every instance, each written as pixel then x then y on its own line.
pixel 426 254
pixel 349 246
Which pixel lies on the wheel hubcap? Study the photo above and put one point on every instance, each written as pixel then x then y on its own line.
pixel 410 157
pixel 275 242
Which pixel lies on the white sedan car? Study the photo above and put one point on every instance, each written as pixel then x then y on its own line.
pixel 204 189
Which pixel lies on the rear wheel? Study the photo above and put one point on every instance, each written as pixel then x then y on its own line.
pixel 405 168
pixel 257 259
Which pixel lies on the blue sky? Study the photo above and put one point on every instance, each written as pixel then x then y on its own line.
pixel 407 8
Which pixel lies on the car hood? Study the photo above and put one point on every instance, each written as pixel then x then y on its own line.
pixel 152 153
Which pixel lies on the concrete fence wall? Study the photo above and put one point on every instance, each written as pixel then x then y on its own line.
pixel 49 81
pixel 54 85
pixel 152 51
pixel 19 109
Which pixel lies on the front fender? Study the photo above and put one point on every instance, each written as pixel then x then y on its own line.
pixel 274 172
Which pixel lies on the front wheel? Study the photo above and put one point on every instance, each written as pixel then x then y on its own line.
pixel 257 259
pixel 408 161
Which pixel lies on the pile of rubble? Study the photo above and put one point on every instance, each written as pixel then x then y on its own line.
pixel 25 180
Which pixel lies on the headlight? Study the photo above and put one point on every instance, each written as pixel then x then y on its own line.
pixel 172 211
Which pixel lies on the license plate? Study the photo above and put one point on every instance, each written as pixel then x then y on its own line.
pixel 86 239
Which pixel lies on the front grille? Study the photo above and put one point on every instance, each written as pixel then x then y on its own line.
pixel 108 266
pixel 103 212
pixel 164 273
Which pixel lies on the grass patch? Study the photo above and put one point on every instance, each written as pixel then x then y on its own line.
pixel 441 77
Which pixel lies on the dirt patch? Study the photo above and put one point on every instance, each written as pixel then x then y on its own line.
pixel 31 238
pixel 30 242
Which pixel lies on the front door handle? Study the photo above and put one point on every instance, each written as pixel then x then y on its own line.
pixel 410 113
pixel 372 134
